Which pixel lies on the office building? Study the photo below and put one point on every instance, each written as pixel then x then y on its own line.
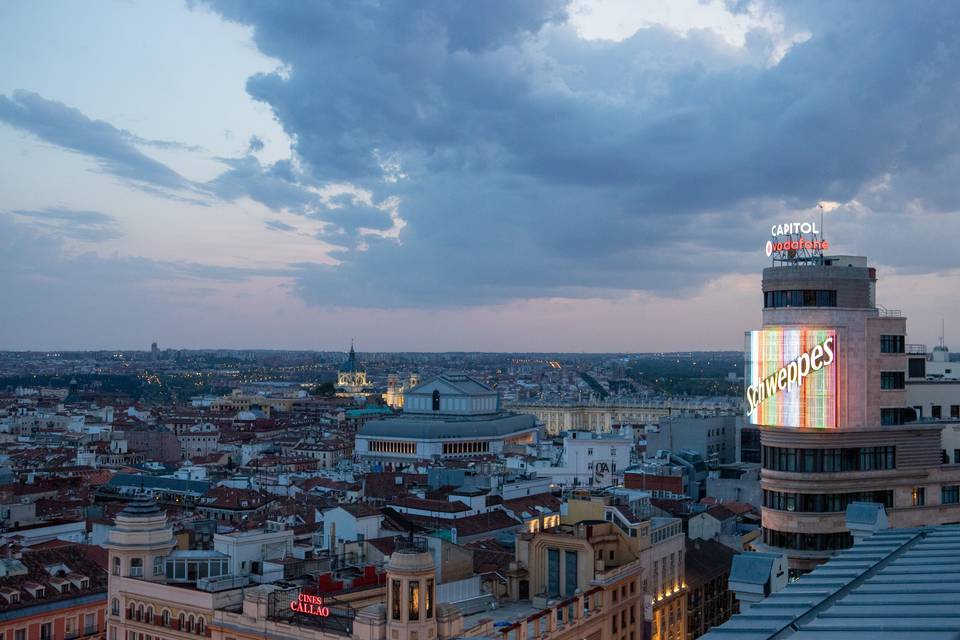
pixel 827 376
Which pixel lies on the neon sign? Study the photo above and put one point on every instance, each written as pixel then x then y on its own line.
pixel 310 605
pixel 793 377
pixel 788 238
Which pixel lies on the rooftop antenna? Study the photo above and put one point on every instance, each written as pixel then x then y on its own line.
pixel 942 333
pixel 820 205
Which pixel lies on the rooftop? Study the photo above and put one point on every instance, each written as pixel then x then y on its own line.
pixel 898 583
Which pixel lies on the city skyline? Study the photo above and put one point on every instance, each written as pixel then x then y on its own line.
pixel 542 177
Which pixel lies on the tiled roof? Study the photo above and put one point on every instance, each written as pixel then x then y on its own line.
pixel 424 504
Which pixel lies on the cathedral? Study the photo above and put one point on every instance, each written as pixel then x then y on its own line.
pixel 352 378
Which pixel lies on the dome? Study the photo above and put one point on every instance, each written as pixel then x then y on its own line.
pixel 142 506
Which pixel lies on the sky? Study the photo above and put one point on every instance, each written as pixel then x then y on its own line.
pixel 438 175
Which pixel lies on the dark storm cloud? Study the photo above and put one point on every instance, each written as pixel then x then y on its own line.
pixel 540 164
pixel 88 226
pixel 66 127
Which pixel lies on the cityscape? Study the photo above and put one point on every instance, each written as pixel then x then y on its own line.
pixel 552 320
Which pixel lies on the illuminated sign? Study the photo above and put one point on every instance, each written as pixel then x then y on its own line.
pixel 311 605
pixel 788 239
pixel 792 377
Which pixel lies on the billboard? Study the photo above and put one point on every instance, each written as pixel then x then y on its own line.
pixel 792 377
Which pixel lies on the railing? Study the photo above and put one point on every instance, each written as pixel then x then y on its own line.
pixel 916 349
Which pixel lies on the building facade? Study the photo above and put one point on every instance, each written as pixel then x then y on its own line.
pixel 826 376
pixel 449 416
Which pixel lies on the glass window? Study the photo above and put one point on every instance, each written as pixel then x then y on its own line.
pixel 570 573
pixel 950 495
pixel 395 600
pixel 429 598
pixel 553 572
pixel 935 412
pixel 892 344
pixel 413 613
pixel 918 496
pixel 892 380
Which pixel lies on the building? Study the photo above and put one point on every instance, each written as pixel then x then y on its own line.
pixel 713 437
pixel 710 602
pixel 658 544
pixel 159 442
pixel 826 376
pixel 393 397
pixel 199 440
pixel 55 591
pixel 447 417
pixel 588 458
pixel 352 378
pixel 933 384
pixel 558 417
pixel 895 584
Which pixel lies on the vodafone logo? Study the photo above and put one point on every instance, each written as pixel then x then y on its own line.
pixel 769 248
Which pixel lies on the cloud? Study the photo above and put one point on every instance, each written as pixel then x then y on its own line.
pixel 113 149
pixel 277 225
pixel 86 226
pixel 527 161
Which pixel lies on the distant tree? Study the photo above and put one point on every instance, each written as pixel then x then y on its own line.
pixel 324 389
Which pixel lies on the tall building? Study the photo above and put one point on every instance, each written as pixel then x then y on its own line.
pixel 826 375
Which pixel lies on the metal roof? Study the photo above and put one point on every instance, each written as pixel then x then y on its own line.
pixel 460 427
pixel 898 583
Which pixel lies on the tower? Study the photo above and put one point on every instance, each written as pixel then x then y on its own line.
pixel 826 389
pixel 139 542
pixel 411 608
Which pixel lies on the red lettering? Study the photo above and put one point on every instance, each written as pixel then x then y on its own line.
pixel 312 605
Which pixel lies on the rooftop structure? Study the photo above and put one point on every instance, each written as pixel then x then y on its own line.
pixel 899 583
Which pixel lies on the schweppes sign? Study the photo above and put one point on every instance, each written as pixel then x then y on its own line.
pixel 791 374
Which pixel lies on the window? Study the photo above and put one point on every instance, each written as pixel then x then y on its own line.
pixel 428 597
pixel 115 607
pixel 158 565
pixel 917 367
pixel 950 495
pixel 90 623
pixel 935 412
pixel 436 400
pixel 590 451
pixel 553 572
pixel 956 456
pixel 165 617
pixel 116 565
pixel 20 634
pixel 201 624
pixel 46 631
pixel 892 344
pixel 955 411
pixel 828 460
pixel 800 298
pixel 898 415
pixel 918 496
pixel 136 567
pixel 892 380
pixel 570 573
pixel 413 612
